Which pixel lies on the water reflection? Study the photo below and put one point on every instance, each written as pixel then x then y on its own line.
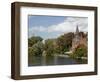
pixel 53 60
pixel 43 60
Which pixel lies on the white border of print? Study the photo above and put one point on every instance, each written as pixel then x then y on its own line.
pixel 38 70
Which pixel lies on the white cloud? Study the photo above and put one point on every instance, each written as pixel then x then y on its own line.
pixel 69 25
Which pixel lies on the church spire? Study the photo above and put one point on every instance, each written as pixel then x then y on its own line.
pixel 77 30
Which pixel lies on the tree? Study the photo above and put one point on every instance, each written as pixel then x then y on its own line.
pixel 36 49
pixel 64 42
pixel 80 51
pixel 33 40
pixel 50 46
pixel 30 51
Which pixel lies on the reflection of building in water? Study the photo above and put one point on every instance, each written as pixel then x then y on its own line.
pixel 79 38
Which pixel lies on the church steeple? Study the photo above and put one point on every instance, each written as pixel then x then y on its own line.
pixel 77 30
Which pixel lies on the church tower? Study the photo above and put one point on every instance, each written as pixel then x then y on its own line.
pixel 76 35
pixel 77 30
pixel 79 39
pixel 76 38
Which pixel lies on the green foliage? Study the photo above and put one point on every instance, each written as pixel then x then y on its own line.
pixel 33 40
pixel 35 45
pixel 64 42
pixel 36 49
pixel 80 51
pixel 49 46
pixel 30 51
pixel 59 45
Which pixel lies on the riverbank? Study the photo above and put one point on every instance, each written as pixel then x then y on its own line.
pixel 67 56
pixel 61 55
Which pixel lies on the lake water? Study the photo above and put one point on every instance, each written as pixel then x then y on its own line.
pixel 53 60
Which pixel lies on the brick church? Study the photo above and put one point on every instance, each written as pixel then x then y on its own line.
pixel 79 38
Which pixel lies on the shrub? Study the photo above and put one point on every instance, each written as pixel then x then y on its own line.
pixel 80 51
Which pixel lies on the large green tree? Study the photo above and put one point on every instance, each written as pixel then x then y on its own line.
pixel 37 49
pixel 35 45
pixel 64 42
pixel 33 40
pixel 49 46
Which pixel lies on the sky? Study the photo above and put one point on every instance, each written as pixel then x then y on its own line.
pixel 49 27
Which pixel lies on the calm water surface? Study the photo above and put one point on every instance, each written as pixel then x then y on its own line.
pixel 53 60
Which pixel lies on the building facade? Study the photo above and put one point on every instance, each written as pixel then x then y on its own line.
pixel 79 38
